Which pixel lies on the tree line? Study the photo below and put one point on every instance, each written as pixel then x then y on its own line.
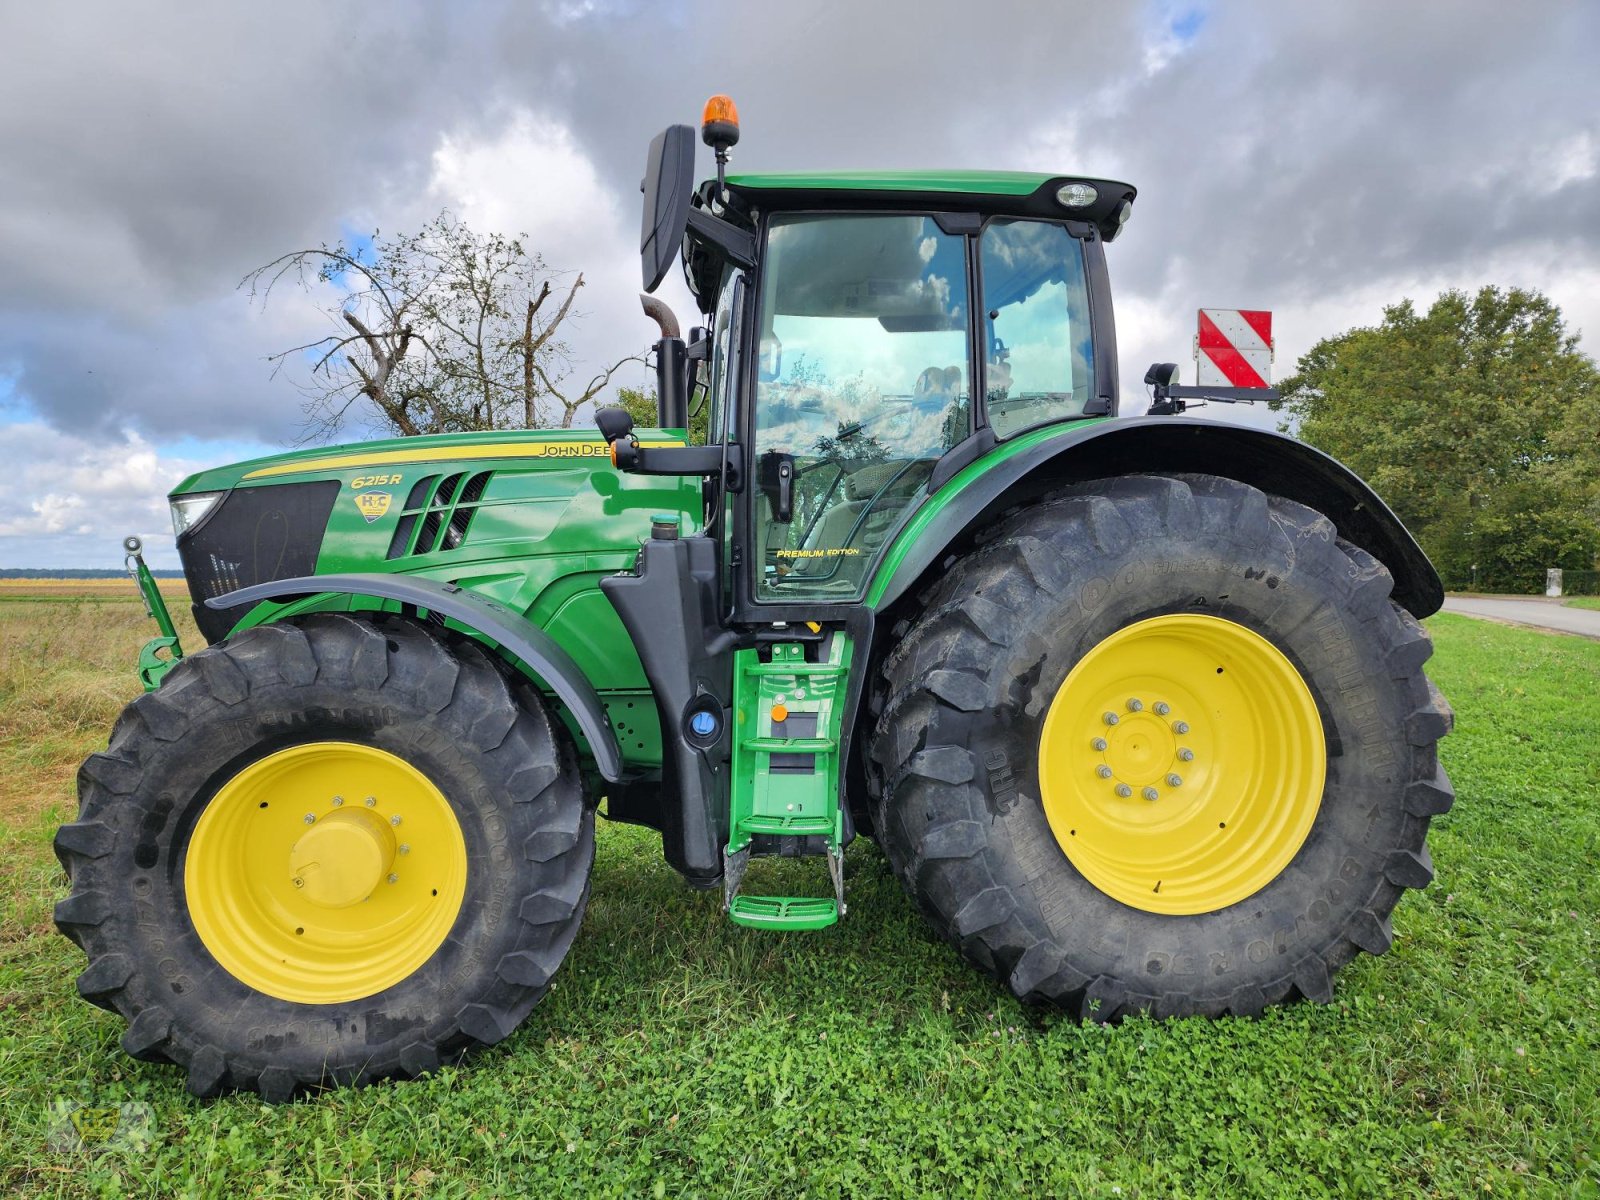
pixel 1476 421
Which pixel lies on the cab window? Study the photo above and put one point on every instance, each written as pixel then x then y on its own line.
pixel 717 376
pixel 1039 354
pixel 863 382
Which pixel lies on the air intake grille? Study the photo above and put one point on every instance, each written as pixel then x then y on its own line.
pixel 254 535
pixel 438 512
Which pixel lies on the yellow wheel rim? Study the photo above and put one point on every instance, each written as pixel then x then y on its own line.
pixel 325 872
pixel 1182 764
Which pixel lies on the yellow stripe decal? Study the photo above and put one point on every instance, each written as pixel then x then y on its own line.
pixel 563 449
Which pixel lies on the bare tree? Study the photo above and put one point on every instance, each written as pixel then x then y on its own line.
pixel 437 331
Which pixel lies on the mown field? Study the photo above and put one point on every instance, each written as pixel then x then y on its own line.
pixel 680 1056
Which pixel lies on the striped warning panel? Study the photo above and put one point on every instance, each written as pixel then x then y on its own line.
pixel 1234 348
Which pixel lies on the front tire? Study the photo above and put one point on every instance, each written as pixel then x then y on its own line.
pixel 1234 849
pixel 326 853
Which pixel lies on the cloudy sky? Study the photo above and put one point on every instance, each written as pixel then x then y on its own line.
pixel 1315 159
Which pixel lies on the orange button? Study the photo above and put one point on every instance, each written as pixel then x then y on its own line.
pixel 780 713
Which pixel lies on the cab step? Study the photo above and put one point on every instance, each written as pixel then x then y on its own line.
pixel 787 714
pixel 783 912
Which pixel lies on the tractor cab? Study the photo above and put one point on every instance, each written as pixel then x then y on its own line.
pixel 866 336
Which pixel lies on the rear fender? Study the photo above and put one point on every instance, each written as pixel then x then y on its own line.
pixel 537 654
pixel 1273 462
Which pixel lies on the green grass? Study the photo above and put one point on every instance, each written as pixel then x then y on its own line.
pixel 679 1055
pixel 1584 602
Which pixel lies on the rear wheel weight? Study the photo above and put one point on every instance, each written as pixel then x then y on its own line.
pixel 193 831
pixel 988 767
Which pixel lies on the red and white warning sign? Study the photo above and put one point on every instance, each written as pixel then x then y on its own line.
pixel 1234 348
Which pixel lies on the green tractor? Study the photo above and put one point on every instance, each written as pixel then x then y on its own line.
pixel 1134 707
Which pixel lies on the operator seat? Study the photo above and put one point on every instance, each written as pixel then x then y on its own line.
pixel 843 525
pixel 915 438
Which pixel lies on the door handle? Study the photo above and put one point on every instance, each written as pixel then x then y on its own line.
pixel 776 473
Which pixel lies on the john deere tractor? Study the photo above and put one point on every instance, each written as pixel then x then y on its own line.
pixel 1135 707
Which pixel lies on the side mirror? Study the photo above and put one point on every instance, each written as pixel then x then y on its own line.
pixel 668 189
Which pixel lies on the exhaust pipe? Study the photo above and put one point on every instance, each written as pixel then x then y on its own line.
pixel 672 367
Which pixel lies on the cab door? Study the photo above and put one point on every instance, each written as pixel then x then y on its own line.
pixel 862 380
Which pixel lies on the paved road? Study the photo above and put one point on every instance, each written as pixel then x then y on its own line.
pixel 1528 610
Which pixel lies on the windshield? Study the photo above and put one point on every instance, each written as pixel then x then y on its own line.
pixel 863 382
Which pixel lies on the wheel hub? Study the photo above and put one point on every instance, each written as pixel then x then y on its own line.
pixel 1182 763
pixel 342 858
pixel 1142 749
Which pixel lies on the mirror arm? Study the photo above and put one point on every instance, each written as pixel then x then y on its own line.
pixel 738 246
pixel 679 460
pixel 1227 395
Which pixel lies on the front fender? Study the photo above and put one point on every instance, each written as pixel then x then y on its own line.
pixel 1274 462
pixel 540 654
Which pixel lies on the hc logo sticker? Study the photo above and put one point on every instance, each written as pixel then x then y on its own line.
pixel 373 504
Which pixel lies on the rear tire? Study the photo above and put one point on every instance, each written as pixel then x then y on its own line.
pixel 508 849
pixel 956 756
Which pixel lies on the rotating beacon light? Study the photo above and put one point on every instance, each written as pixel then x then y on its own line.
pixel 719 129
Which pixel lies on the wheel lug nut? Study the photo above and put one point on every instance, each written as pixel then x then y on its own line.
pixel 1150 793
pixel 1174 780
pixel 338 801
pixel 310 818
pixel 1124 790
pixel 1098 743
pixel 394 820
pixel 1110 718
pixel 1103 771
pixel 1135 705
pixel 371 802
pixel 1186 754
pixel 1180 727
pixel 394 878
pixel 404 848
pixel 1162 708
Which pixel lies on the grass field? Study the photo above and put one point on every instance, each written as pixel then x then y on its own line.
pixel 1584 602
pixel 681 1056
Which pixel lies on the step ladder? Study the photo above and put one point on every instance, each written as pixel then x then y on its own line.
pixel 785 777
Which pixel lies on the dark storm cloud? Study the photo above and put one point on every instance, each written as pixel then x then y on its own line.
pixel 1296 150
pixel 824 84
pixel 152 155
pixel 1285 153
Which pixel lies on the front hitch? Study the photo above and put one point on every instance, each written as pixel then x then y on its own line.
pixel 160 654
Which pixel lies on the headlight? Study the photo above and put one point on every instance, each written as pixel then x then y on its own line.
pixel 1076 195
pixel 187 511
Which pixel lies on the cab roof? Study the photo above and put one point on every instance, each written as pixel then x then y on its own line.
pixel 1015 193
pixel 985 183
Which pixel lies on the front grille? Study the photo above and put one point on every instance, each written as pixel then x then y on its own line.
pixel 254 535
pixel 438 512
